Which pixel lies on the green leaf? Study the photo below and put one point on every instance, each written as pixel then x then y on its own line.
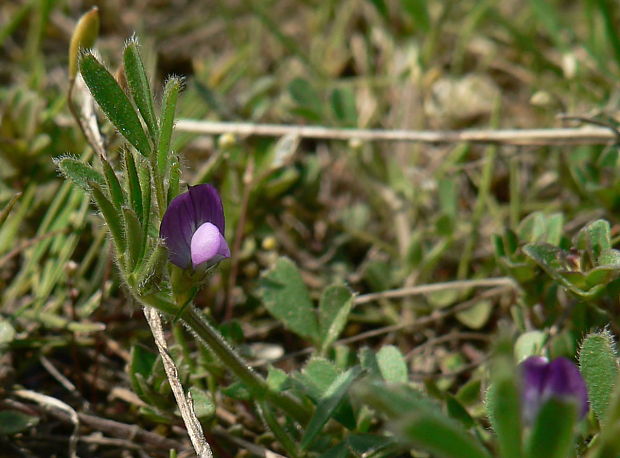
pixel 419 422
pixel 141 361
pixel 343 105
pixel 456 410
pixel 334 307
pixel 111 216
pixel 381 7
pixel 133 182
pixel 418 11
pixel 331 399
pixel 503 402
pixel 608 443
pixel 307 98
pixel 552 433
pixel 528 344
pixel 339 451
pixel 168 107
pixel 152 268
pixel 114 187
pixel 281 434
pixel 145 185
pixel 476 316
pixel 317 375
pixel 113 102
pixel 598 238
pixel 597 361
pixel 392 364
pixel 13 421
pixel 277 379
pixel 79 172
pixel 440 436
pixel 553 230
pixel 173 181
pixel 286 297
pixel 548 256
pixel 135 239
pixel 203 404
pixel 369 444
pixel 139 87
pixel 316 378
pixel 368 361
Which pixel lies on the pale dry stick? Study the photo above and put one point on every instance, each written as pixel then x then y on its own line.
pixel 257 450
pixel 434 287
pixel 51 403
pixel 26 244
pixel 523 137
pixel 64 381
pixel 451 337
pixel 114 428
pixel 435 316
pixel 193 426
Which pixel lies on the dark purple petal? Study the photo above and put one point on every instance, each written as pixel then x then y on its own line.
pixel 208 245
pixel 542 380
pixel 533 373
pixel 177 228
pixel 207 206
pixel 565 381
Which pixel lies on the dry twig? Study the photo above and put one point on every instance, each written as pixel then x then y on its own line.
pixel 194 429
pixel 433 287
pixel 531 137
pixel 54 404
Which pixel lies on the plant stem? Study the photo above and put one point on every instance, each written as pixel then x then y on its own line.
pixel 254 382
pixel 213 340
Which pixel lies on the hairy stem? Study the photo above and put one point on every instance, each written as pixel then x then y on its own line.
pixel 213 340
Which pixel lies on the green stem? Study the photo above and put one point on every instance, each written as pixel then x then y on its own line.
pixel 214 341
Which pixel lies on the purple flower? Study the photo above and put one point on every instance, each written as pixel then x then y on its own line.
pixel 542 380
pixel 193 228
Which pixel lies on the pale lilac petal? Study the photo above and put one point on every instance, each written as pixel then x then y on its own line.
pixel 205 243
pixel 223 250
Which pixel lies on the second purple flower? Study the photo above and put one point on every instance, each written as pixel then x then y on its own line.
pixel 542 380
pixel 193 228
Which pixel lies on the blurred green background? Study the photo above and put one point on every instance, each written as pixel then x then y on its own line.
pixel 378 215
